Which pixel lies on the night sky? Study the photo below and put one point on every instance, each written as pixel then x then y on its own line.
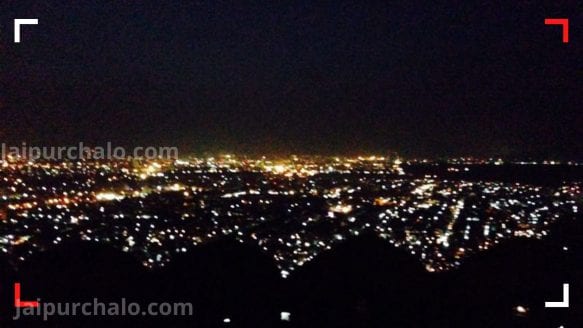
pixel 481 78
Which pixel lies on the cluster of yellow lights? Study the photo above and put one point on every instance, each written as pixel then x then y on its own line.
pixel 108 196
pixel 290 170
pixel 341 208
pixel 381 201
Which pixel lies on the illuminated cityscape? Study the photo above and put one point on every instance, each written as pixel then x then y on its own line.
pixel 293 208
pixel 373 164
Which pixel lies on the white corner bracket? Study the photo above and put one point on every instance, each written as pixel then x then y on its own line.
pixel 22 21
pixel 564 303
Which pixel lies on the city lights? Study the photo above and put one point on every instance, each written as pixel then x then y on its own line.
pixel 157 208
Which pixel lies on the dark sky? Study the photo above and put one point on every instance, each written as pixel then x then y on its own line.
pixel 475 78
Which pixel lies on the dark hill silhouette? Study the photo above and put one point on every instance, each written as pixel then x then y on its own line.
pixel 225 279
pixel 78 271
pixel 365 282
pixel 568 232
pixel 488 287
pixel 7 276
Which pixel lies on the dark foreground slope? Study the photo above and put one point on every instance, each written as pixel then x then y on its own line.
pixel 362 283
